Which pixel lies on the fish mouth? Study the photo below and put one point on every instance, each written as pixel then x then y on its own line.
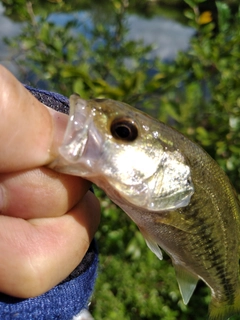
pixel 77 129
pixel 75 138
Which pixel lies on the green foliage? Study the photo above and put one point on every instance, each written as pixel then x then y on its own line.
pixel 201 90
pixel 198 94
pixel 92 66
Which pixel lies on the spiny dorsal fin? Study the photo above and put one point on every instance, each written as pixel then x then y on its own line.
pixel 186 281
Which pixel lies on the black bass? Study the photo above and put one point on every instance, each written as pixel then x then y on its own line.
pixel 173 190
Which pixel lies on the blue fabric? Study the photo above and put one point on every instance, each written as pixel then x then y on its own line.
pixel 72 295
pixel 51 99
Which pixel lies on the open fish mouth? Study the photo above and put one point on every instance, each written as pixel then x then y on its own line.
pixel 75 138
pixel 77 130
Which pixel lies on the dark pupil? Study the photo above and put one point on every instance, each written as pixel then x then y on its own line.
pixel 124 129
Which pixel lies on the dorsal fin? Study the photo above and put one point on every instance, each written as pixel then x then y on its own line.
pixel 186 281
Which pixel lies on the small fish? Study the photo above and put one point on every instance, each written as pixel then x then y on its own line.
pixel 172 189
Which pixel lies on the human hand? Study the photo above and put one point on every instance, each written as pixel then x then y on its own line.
pixel 47 219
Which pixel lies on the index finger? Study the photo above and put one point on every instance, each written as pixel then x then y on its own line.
pixel 29 132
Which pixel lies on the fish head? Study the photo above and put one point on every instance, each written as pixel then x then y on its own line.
pixel 123 151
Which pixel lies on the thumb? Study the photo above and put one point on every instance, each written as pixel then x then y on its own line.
pixel 30 132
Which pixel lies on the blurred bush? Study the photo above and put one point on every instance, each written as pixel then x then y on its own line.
pixel 198 94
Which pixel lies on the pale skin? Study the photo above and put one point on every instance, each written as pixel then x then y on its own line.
pixel 47 219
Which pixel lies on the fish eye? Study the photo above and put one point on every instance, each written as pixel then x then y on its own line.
pixel 124 129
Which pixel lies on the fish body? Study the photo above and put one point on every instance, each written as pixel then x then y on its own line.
pixel 170 187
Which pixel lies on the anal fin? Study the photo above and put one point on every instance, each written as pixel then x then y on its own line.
pixel 187 282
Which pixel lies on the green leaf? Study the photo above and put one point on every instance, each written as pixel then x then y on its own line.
pixel 191 3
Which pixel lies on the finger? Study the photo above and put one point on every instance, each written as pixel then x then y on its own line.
pixel 37 254
pixel 29 132
pixel 39 193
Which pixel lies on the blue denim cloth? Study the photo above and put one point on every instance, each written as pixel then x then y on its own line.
pixel 51 99
pixel 70 296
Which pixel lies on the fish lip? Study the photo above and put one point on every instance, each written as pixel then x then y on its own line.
pixel 76 136
pixel 80 149
pixel 77 131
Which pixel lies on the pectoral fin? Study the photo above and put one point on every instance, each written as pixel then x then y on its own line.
pixel 186 281
pixel 152 245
